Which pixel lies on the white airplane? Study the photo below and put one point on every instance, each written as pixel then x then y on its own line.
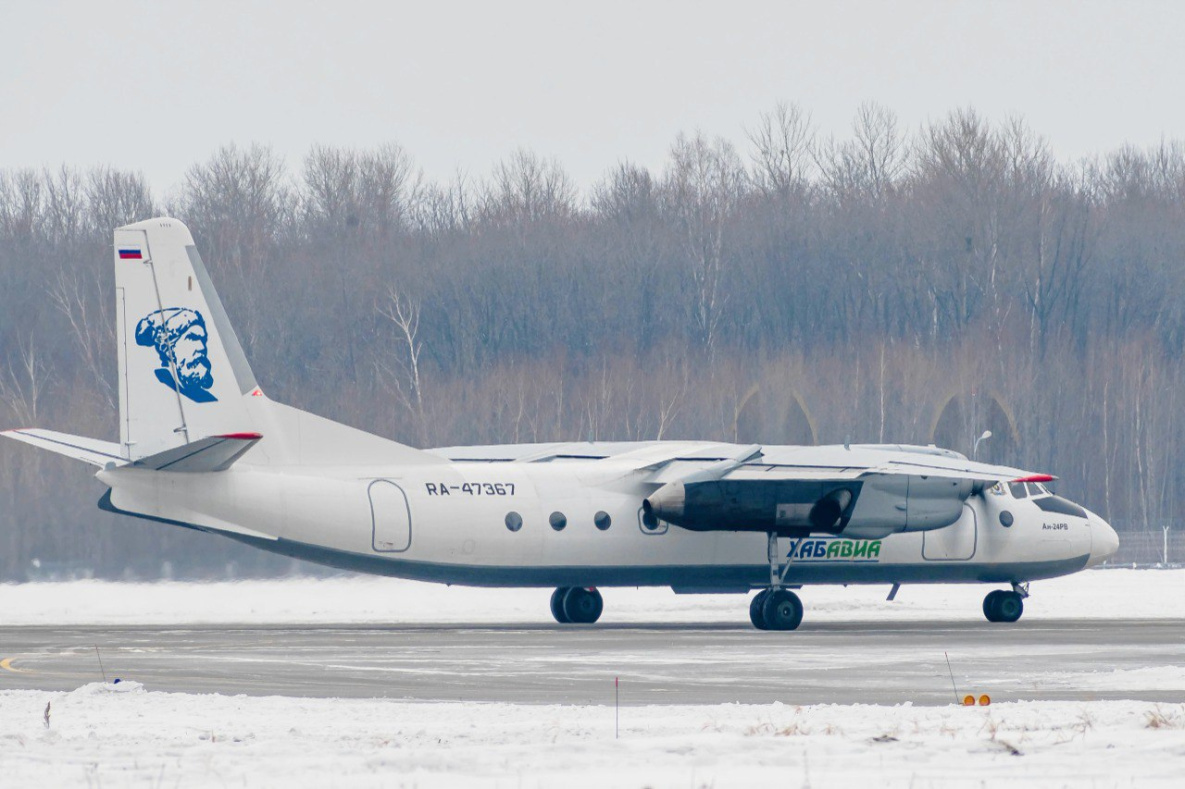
pixel 201 446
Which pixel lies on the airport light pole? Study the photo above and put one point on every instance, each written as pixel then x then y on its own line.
pixel 984 436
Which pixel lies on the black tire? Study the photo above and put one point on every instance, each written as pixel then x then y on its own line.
pixel 583 606
pixel 1002 606
pixel 756 615
pixel 1009 607
pixel 990 604
pixel 557 606
pixel 782 610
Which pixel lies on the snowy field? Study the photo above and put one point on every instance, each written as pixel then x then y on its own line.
pixel 127 735
pixel 122 735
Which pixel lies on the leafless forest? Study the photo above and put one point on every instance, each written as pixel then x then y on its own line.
pixel 894 285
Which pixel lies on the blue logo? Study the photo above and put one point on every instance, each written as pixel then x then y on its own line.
pixel 181 341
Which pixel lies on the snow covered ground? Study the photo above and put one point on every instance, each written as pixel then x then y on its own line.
pixel 122 735
pixel 1105 594
pixel 126 735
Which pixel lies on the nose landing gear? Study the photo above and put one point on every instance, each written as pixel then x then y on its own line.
pixel 1002 606
pixel 576 605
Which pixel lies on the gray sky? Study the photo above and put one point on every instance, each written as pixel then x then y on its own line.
pixel 157 86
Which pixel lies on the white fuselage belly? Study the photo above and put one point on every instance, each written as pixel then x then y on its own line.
pixel 453 528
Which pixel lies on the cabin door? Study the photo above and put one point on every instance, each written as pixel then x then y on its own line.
pixel 390 516
pixel 954 543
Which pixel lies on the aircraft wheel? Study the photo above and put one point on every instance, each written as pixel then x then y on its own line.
pixel 756 616
pixel 1009 607
pixel 1002 606
pixel 557 606
pixel 782 610
pixel 583 606
pixel 989 604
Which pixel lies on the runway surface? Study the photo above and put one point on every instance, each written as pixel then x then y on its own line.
pixel 836 662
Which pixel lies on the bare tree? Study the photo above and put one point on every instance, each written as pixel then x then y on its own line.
pixel 23 383
pixel 371 192
pixel 64 208
pixel 116 198
pixel 90 321
pixel 782 156
pixel 236 203
pixel 702 191
pixel 404 312
pixel 871 163
pixel 527 188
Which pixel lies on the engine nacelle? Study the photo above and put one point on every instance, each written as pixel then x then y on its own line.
pixel 892 503
pixel 871 507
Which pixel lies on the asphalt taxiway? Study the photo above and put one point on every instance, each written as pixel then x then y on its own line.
pixel 848 662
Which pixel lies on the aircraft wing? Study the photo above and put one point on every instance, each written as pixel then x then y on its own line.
pixel 813 463
pixel 974 472
pixel 956 468
pixel 866 491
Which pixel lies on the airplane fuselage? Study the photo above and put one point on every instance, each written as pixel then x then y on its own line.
pixel 578 523
pixel 201 446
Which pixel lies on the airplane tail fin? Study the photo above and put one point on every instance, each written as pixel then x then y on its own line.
pixel 183 376
pixel 182 372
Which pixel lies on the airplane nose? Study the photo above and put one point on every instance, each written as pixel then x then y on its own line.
pixel 1104 542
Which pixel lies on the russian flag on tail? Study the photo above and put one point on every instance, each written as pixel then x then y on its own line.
pixel 129 253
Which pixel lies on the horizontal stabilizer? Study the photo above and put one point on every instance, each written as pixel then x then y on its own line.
pixel 89 450
pixel 214 453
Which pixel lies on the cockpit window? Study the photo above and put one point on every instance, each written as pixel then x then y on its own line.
pixel 1018 490
pixel 997 489
pixel 1060 506
pixel 1035 489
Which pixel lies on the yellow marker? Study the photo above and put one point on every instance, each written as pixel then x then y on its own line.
pixel 6 664
pixel 968 701
pixel 985 700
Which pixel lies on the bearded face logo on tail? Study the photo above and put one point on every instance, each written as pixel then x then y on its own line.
pixel 181 341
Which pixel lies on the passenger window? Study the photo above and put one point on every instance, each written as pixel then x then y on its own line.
pixel 1018 490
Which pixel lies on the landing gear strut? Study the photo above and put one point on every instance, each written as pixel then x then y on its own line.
pixel 1002 606
pixel 576 605
pixel 775 608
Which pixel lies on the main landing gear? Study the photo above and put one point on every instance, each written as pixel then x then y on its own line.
pixel 775 608
pixel 576 605
pixel 1002 606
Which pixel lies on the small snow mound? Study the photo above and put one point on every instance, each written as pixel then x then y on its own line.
pixel 101 688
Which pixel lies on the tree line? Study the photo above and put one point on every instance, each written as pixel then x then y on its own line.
pixel 891 285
